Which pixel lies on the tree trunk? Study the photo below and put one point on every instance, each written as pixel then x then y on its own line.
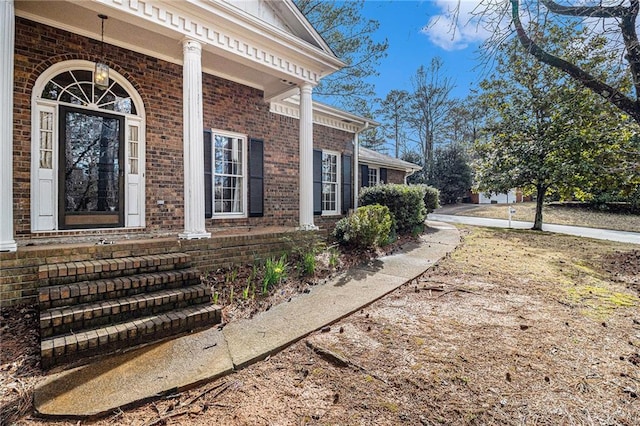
pixel 537 223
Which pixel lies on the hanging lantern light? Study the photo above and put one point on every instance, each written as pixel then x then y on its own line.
pixel 101 73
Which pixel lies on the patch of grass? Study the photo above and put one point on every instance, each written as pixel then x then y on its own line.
pixel 558 215
pixel 566 266
pixel 599 300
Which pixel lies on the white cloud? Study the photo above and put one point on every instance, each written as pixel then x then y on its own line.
pixel 456 26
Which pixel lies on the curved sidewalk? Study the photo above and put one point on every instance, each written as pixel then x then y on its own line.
pixel 578 231
pixel 155 370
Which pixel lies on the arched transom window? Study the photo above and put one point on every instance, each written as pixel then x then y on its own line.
pixel 76 87
pixel 87 151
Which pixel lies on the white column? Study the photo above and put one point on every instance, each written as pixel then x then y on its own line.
pixel 356 169
pixel 306 158
pixel 7 38
pixel 194 223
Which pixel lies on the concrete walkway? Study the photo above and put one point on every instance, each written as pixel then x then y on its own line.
pixel 121 380
pixel 579 231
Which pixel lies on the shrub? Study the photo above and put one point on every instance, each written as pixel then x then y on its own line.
pixel 367 227
pixel 405 202
pixel 431 197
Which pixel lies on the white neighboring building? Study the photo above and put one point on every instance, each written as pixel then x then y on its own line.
pixel 513 196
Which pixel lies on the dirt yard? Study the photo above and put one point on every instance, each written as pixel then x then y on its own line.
pixel 515 327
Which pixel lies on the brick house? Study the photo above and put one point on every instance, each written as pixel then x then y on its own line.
pixel 377 168
pixel 203 139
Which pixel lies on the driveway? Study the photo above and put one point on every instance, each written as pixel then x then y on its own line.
pixel 579 231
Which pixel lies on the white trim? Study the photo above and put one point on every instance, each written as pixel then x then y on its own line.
pixel 7 41
pixel 338 183
pixel 39 104
pixel 377 182
pixel 323 115
pixel 78 64
pixel 305 171
pixel 193 144
pixel 211 24
pixel 245 175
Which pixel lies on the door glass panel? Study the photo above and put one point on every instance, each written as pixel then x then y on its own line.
pixel 92 163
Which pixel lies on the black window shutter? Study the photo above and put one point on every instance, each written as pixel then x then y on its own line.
pixel 208 178
pixel 383 175
pixel 364 172
pixel 317 182
pixel 256 178
pixel 347 183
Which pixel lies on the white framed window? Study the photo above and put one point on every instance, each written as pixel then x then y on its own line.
pixel 229 176
pixel 88 172
pixel 374 176
pixel 330 183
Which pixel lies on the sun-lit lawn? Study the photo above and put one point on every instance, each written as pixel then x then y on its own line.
pixel 556 215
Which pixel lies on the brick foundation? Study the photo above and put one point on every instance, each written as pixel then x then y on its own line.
pixel 21 274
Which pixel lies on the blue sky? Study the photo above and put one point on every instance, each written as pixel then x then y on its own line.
pixel 403 23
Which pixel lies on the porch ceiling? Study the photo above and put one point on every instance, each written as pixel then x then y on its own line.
pixel 251 56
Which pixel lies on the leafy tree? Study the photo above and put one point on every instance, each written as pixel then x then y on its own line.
pixel 463 122
pixel 617 19
pixel 612 20
pixel 545 132
pixel 452 174
pixel 430 107
pixel 350 36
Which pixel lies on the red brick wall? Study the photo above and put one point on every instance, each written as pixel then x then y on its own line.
pixel 332 140
pixel 393 176
pixel 19 280
pixel 227 106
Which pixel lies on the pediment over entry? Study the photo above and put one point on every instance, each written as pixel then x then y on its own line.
pixel 285 16
pixel 268 45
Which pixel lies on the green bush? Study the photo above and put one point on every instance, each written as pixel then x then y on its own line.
pixel 405 202
pixel 431 197
pixel 367 227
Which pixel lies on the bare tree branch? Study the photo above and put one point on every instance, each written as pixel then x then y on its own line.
pixel 613 95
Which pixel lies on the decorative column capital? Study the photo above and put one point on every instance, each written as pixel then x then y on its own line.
pixel 306 89
pixel 191 46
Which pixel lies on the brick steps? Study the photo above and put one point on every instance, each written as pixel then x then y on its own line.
pixel 70 347
pixel 96 307
pixel 110 288
pixel 61 320
pixel 89 270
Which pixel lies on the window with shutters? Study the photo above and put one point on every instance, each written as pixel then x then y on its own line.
pixel 373 176
pixel 330 183
pixel 228 174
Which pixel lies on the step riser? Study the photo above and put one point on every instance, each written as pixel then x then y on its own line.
pixel 96 307
pixel 70 348
pixel 117 311
pixel 95 291
pixel 112 274
pixel 70 272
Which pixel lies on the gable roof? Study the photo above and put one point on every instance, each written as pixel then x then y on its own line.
pixel 265 44
pixel 369 156
pixel 286 16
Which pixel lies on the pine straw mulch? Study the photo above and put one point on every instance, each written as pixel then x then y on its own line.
pixel 19 338
pixel 515 327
